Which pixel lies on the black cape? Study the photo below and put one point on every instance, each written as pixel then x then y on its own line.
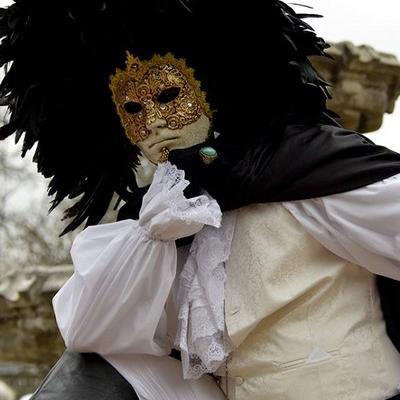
pixel 302 161
pixel 305 161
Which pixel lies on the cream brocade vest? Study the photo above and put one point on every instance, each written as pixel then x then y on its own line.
pixel 306 324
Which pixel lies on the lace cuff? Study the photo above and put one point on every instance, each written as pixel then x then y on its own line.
pixel 165 207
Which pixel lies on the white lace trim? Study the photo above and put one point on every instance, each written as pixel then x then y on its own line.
pixel 201 335
pixel 168 184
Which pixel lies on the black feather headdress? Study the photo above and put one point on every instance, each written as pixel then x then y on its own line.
pixel 251 57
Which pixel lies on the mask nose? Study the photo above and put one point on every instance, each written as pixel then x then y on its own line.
pixel 154 124
pixel 153 116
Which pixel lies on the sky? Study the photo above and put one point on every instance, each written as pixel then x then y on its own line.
pixel 371 22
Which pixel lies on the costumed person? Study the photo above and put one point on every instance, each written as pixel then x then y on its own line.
pixel 289 288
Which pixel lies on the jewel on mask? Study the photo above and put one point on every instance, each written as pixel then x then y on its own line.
pixel 162 88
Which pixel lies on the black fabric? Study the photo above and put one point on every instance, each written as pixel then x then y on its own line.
pixel 130 210
pixel 304 161
pixel 389 291
pixel 84 377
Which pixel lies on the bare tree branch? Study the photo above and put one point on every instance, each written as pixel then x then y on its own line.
pixel 28 235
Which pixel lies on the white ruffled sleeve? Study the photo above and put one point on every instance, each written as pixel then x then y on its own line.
pixel 114 302
pixel 361 226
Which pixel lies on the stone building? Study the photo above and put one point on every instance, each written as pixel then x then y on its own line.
pixel 366 84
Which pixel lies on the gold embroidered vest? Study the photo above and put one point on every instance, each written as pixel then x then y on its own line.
pixel 306 324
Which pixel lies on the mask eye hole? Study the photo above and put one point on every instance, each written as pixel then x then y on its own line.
pixel 168 95
pixel 132 107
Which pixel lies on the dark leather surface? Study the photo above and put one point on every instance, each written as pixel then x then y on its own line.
pixel 88 377
pixel 84 377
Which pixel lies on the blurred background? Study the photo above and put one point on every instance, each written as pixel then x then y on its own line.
pixel 34 261
pixel 370 23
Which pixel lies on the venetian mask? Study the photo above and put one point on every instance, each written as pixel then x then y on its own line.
pixel 161 89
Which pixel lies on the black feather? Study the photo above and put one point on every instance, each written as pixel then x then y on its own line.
pixel 60 54
pixel 309 16
pixel 300 5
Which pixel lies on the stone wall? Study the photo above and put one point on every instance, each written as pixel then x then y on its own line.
pixel 30 343
pixel 365 84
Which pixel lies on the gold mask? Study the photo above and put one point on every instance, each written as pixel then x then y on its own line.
pixel 161 88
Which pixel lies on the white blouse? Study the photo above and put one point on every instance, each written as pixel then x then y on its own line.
pixel 361 226
pixel 125 274
pixel 114 304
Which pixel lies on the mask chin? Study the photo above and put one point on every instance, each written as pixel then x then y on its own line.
pixel 192 134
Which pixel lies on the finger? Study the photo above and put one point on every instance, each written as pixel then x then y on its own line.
pixel 159 146
pixel 149 141
pixel 163 143
pixel 143 146
pixel 162 136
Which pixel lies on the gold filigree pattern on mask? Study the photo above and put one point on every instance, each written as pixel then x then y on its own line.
pixel 162 88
